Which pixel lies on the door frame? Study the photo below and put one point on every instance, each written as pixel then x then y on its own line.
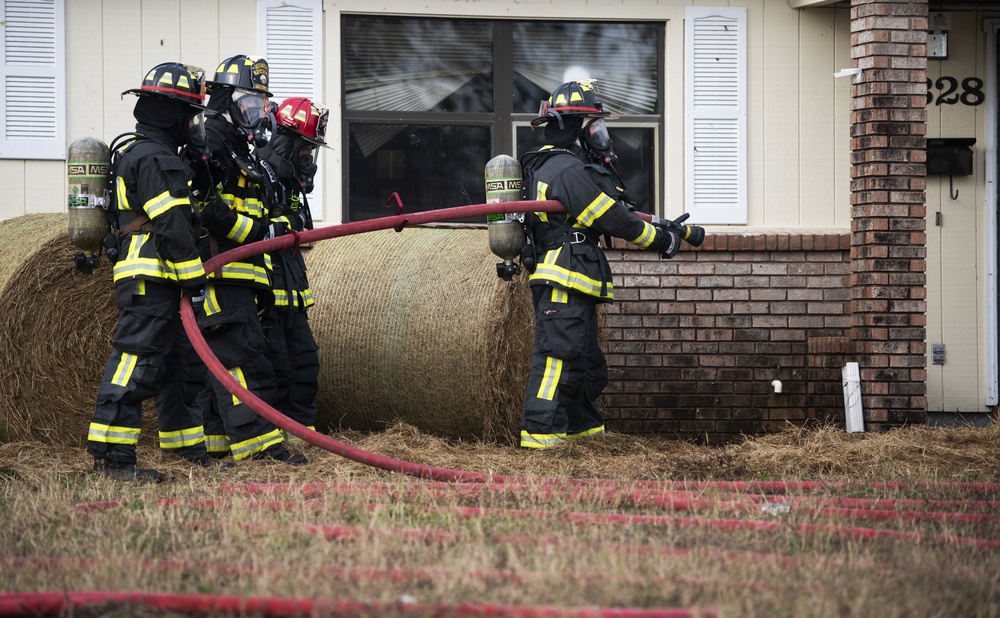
pixel 992 27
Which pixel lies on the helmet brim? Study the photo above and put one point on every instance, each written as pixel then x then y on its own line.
pixel 212 85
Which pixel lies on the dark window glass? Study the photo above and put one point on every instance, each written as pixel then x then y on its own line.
pixel 430 167
pixel 418 65
pixel 622 57
pixel 428 101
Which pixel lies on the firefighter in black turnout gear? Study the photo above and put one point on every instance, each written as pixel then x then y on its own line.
pixel 233 185
pixel 156 239
pixel 290 160
pixel 571 274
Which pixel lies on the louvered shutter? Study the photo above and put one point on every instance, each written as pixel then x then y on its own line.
pixel 33 78
pixel 715 114
pixel 290 35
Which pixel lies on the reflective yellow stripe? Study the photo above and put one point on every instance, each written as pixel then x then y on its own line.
pixel 182 437
pixel 584 434
pixel 126 365
pixel 595 209
pixel 186 270
pixel 241 229
pixel 571 280
pixel 560 296
pixel 646 238
pixel 290 438
pixel 550 379
pixel 162 203
pixel 111 434
pixel 246 448
pixel 216 443
pixel 246 271
pixel 540 190
pixel 237 373
pixel 298 299
pixel 212 305
pixel 541 440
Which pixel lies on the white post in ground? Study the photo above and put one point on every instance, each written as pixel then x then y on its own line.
pixel 852 398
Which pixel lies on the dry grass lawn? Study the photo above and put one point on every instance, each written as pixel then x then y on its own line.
pixel 905 524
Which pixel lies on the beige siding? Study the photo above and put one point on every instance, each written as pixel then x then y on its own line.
pixel 956 303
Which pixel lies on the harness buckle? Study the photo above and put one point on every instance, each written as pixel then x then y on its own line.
pixel 578 237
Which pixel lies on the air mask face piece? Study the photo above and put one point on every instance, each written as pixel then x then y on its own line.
pixel 598 141
pixel 196 129
pixel 249 109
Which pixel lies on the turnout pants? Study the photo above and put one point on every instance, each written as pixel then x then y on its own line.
pixel 293 352
pixel 143 364
pixel 568 370
pixel 234 333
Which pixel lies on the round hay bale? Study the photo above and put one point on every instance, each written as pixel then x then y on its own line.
pixel 416 326
pixel 55 332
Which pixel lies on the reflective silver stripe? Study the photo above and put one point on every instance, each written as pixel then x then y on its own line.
pixel 257 444
pixel 647 236
pixel 241 229
pixel 217 443
pixel 162 203
pixel 113 435
pixel 595 209
pixel 178 439
pixel 541 440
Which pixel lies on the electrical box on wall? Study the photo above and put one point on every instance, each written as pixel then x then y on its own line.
pixel 949 156
pixel 938 25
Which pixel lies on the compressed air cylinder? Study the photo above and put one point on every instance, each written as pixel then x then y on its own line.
pixel 503 184
pixel 87 171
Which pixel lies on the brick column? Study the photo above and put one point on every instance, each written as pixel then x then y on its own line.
pixel 888 238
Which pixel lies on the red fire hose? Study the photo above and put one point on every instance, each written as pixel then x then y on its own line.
pixel 59 603
pixel 397 222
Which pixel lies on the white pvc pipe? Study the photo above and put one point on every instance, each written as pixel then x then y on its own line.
pixel 852 398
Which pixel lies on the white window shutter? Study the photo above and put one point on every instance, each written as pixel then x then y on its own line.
pixel 715 123
pixel 33 79
pixel 290 35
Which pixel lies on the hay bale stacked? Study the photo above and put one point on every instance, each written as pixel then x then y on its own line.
pixel 413 326
pixel 416 326
pixel 55 332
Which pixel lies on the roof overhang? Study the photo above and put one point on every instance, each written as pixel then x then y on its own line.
pixel 804 4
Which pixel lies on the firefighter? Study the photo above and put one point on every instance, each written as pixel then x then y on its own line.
pixel 290 159
pixel 239 293
pixel 571 274
pixel 157 245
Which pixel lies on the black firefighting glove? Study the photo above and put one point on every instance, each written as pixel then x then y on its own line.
pixel 668 242
pixel 275 229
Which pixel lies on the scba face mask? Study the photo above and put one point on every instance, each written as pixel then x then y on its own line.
pixel 195 130
pixel 249 109
pixel 598 142
pixel 305 162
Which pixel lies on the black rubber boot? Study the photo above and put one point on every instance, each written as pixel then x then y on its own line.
pixel 125 471
pixel 279 453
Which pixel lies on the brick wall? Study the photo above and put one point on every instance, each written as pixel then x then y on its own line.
pixel 693 343
pixel 888 212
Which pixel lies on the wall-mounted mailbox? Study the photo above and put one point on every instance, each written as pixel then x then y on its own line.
pixel 949 156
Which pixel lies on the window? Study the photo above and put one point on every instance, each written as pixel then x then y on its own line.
pixel 428 101
pixel 33 78
pixel 715 125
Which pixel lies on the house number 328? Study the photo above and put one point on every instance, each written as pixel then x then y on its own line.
pixel 949 92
